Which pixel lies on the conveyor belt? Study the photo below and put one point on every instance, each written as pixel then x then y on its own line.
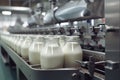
pixel 40 74
pixel 37 74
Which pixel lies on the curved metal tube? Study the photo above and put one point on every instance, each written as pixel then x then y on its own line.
pixel 71 10
pixel 76 11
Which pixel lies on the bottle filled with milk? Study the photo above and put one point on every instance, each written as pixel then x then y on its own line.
pixel 51 55
pixel 72 51
pixel 16 42
pixel 12 41
pixel 35 50
pixel 21 40
pixel 25 47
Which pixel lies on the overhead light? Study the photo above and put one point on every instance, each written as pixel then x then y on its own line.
pixel 6 12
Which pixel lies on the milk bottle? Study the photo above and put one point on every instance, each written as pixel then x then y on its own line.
pixel 9 40
pixel 62 40
pixel 51 55
pixel 25 47
pixel 22 38
pixel 12 41
pixel 35 50
pixel 72 51
pixel 16 42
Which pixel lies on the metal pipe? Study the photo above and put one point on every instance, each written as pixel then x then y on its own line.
pixel 75 11
pixel 72 9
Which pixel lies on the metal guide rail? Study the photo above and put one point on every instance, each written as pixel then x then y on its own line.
pixel 33 72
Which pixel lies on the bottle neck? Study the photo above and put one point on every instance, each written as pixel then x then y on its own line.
pixel 52 42
pixel 72 39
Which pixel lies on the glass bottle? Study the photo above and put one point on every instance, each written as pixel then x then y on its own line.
pixel 16 42
pixel 25 47
pixel 22 38
pixel 35 50
pixel 51 55
pixel 12 41
pixel 72 51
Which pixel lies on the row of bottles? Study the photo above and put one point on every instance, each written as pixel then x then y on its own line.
pixel 47 50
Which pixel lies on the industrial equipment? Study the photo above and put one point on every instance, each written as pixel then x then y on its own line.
pixel 99 33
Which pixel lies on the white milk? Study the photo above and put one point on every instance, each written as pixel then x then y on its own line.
pixel 25 47
pixel 72 51
pixel 51 55
pixel 35 50
pixel 8 39
pixel 12 41
pixel 19 44
pixel 16 42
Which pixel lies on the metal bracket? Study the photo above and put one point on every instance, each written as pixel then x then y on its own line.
pixel 111 65
pixel 113 29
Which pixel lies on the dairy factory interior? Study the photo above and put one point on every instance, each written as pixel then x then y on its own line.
pixel 59 40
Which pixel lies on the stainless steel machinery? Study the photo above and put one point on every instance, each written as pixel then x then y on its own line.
pixel 100 62
pixel 75 11
pixel 112 15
